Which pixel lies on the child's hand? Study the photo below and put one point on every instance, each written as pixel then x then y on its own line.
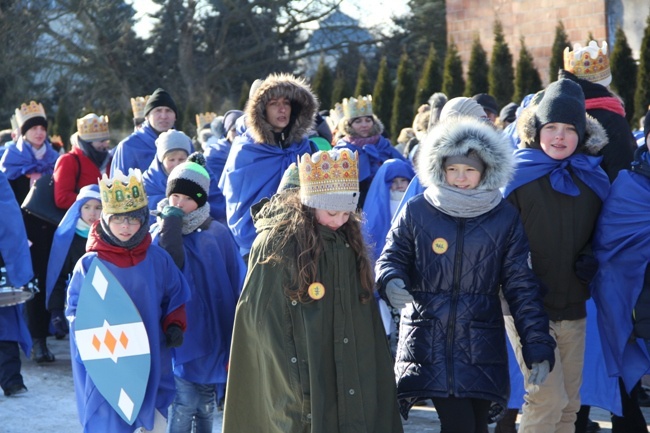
pixel 173 336
pixel 172 211
pixel 397 295
pixel 539 372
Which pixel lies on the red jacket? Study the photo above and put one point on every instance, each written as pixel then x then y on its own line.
pixel 66 173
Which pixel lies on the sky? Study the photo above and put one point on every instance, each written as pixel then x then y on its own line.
pixel 368 12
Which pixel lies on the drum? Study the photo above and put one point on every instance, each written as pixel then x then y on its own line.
pixel 10 295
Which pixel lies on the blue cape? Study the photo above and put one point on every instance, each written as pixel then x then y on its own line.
pixel 253 171
pixel 531 164
pixel 63 237
pixel 19 160
pixel 216 155
pixel 135 151
pixel 377 205
pixel 157 288
pixel 372 156
pixel 18 262
pixel 622 246
pixel 215 273
pixel 414 188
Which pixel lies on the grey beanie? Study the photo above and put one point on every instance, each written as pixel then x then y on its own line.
pixel 564 102
pixel 172 140
pixel 462 106
pixel 471 158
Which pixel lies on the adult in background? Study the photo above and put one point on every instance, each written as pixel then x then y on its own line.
pixel 23 163
pixel 217 149
pixel 489 104
pixel 85 163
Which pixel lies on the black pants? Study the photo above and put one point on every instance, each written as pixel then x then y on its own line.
pixel 462 415
pixel 9 364
pixel 632 420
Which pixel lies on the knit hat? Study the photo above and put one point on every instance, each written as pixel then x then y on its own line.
pixel 471 158
pixel 563 101
pixel 160 98
pixel 30 115
pixel 487 102
pixel 290 178
pixel 508 113
pixel 172 140
pixel 330 180
pixel 191 179
pixel 462 106
pixel 230 118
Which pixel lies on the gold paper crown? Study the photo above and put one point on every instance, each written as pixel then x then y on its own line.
pixel 27 111
pixel 92 127
pixel 203 119
pixel 336 114
pixel 590 63
pixel 329 180
pixel 122 194
pixel 137 105
pixel 360 107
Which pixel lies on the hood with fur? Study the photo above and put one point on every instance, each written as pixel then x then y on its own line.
pixel 345 126
pixel 303 108
pixel 457 136
pixel 595 135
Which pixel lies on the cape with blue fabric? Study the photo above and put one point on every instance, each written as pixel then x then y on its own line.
pixel 154 181
pixel 14 250
pixel 414 188
pixel 622 246
pixel 156 287
pixel 63 237
pixel 253 171
pixel 377 205
pixel 19 160
pixel 215 273
pixel 371 156
pixel 216 154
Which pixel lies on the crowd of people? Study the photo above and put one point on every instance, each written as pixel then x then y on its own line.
pixel 297 270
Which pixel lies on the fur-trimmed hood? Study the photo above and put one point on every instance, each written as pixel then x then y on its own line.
pixel 303 108
pixel 595 135
pixel 457 136
pixel 346 127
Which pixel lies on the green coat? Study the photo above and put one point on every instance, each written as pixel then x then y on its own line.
pixel 319 367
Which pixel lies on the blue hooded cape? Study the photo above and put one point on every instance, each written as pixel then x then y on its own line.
pixel 371 156
pixel 216 155
pixel 622 246
pixel 19 160
pixel 253 171
pixel 377 205
pixel 215 273
pixel 414 188
pixel 63 237
pixel 18 262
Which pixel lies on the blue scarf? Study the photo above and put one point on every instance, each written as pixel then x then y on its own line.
pixel 531 164
pixel 19 160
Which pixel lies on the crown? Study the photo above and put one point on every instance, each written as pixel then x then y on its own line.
pixel 56 139
pixel 137 105
pixel 329 180
pixel 92 127
pixel 122 194
pixel 360 107
pixel 27 111
pixel 203 119
pixel 14 122
pixel 336 114
pixel 589 63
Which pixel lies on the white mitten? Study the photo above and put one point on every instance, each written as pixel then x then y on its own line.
pixel 397 295
pixel 539 372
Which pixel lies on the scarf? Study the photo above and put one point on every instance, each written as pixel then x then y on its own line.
pixel 362 141
pixel 462 203
pixel 192 220
pixel 82 228
pixel 106 249
pixel 98 157
pixel 531 164
pixel 608 103
pixel 38 153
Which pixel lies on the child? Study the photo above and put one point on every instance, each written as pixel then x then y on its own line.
pixel 68 246
pixel 209 257
pixel 120 241
pixel 449 253
pixel 558 189
pixel 309 351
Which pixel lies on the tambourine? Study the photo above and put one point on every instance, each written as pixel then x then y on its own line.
pixel 10 295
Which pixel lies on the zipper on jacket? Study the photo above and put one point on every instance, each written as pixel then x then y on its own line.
pixel 451 326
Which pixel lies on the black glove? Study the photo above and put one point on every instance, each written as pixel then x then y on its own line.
pixel 586 267
pixel 173 336
pixel 59 323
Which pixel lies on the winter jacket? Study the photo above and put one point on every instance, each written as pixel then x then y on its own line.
pixel 72 171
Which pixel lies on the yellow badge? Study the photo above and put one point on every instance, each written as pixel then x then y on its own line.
pixel 440 246
pixel 316 291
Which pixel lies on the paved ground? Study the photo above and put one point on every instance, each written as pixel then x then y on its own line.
pixel 49 405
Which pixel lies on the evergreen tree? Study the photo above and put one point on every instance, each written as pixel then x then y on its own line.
pixel 363 86
pixel 527 79
pixel 322 85
pixel 477 70
pixel 624 72
pixel 243 95
pixel 382 95
pixel 642 95
pixel 426 23
pixel 501 74
pixel 560 42
pixel 431 79
pixel 341 88
pixel 404 96
pixel 63 123
pixel 453 83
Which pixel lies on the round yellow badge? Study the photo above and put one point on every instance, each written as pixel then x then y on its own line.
pixel 316 291
pixel 440 246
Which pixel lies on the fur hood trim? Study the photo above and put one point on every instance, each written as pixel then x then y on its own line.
pixel 457 136
pixel 594 141
pixel 346 127
pixel 303 108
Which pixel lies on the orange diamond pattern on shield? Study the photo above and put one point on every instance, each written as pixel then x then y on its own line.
pixel 124 340
pixel 110 341
pixel 96 343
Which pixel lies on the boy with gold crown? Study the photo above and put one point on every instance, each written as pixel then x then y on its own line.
pixel 122 280
pixel 309 351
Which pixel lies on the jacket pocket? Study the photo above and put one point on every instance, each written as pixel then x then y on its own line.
pixel 487 343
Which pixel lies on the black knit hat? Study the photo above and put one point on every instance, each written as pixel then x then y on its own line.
pixel 487 102
pixel 31 122
pixel 564 102
pixel 160 98
pixel 191 179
